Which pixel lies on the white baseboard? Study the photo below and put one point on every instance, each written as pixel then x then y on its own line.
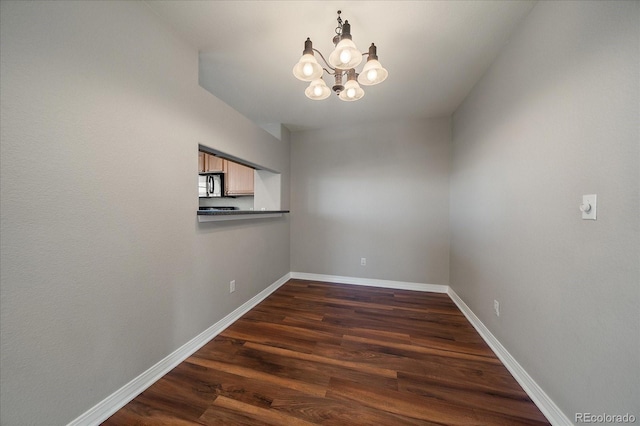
pixel 107 407
pixel 550 410
pixel 398 285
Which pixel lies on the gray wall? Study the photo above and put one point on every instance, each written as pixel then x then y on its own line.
pixel 556 117
pixel 103 275
pixel 105 269
pixel 379 191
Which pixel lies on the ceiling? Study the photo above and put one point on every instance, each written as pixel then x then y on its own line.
pixel 435 52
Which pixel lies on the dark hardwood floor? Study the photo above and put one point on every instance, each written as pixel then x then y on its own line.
pixel 320 353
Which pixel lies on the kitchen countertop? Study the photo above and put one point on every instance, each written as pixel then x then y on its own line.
pixel 216 215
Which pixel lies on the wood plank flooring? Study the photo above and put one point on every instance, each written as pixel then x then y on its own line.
pixel 331 354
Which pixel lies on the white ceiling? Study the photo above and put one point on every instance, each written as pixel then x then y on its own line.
pixel 435 52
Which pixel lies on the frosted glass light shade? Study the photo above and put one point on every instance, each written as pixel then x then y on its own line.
pixel 317 90
pixel 351 92
pixel 345 55
pixel 372 73
pixel 307 68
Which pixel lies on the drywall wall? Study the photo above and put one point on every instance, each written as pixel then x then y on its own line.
pixel 378 191
pixel 554 118
pixel 105 269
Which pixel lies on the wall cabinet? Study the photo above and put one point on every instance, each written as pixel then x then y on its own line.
pixel 210 163
pixel 238 179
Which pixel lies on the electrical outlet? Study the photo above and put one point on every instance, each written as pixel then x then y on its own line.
pixel 496 307
pixel 232 286
pixel 363 261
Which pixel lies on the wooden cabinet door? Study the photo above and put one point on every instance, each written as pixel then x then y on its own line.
pixel 209 163
pixel 201 161
pixel 239 179
pixel 214 164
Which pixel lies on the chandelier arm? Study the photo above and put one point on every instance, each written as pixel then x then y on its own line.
pixel 325 61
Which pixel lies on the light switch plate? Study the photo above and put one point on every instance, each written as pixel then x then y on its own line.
pixel 589 200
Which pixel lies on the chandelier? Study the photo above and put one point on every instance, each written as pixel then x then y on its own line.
pixel 341 65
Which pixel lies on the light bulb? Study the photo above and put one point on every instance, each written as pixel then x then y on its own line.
pixel 345 56
pixel 307 70
pixel 351 92
pixel 372 74
pixel 317 90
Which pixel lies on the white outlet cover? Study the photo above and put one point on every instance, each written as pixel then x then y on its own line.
pixel 590 200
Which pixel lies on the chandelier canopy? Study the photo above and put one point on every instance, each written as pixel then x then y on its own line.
pixel 341 65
